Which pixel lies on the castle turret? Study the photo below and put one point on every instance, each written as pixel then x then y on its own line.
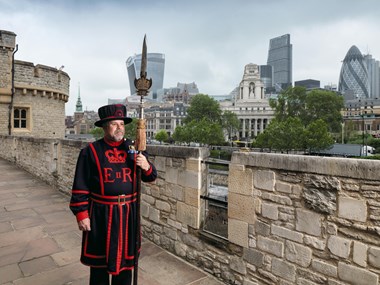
pixel 7 46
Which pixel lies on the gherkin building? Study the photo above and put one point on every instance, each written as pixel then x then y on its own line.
pixel 353 75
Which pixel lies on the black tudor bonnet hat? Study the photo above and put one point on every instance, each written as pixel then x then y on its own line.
pixel 112 112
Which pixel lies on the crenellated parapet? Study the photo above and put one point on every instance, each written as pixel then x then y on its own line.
pixel 41 80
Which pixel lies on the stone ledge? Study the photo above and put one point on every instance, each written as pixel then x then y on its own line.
pixel 331 166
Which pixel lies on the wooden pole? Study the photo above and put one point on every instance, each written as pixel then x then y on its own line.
pixel 142 85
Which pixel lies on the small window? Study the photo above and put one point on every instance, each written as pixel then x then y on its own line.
pixel 20 118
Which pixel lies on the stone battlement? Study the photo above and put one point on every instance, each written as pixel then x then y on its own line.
pixel 292 219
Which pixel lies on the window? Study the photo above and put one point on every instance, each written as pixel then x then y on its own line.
pixel 20 118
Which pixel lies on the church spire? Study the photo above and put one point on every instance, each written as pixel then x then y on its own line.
pixel 78 106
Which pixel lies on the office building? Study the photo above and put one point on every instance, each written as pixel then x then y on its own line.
pixel 373 70
pixel 353 79
pixel 266 75
pixel 280 56
pixel 308 83
pixel 155 71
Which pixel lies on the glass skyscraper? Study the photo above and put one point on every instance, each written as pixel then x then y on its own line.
pixel 353 79
pixel 373 68
pixel 155 70
pixel 280 57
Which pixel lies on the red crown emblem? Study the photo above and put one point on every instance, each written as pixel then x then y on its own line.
pixel 116 156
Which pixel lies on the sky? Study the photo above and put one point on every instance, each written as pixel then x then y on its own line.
pixel 208 42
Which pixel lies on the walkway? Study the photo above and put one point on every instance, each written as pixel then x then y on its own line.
pixel 40 241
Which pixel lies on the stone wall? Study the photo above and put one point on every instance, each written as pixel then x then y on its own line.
pixel 40 90
pixel 291 219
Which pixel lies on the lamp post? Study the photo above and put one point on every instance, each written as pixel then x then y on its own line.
pixel 342 124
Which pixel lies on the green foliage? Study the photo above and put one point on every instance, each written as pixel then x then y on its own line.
pixel 162 136
pixel 230 122
pixel 324 105
pixel 97 133
pixel 131 130
pixel 317 136
pixel 203 132
pixel 202 124
pixel 303 120
pixel 202 106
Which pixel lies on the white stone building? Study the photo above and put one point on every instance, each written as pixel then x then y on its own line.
pixel 250 104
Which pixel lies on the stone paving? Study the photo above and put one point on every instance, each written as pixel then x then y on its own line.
pixel 40 241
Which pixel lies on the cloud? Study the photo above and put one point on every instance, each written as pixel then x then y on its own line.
pixel 206 42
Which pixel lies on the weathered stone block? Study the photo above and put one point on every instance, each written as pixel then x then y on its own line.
pixel 160 163
pixel 262 228
pixel 308 222
pixel 264 180
pixel 171 175
pixel 284 187
pixel 298 254
pixel 339 246
pixel 269 211
pixel 352 209
pixel 287 233
pixel 192 197
pixel 240 180
pixel 374 256
pixel 193 164
pixel 283 269
pixel 355 275
pixel 315 242
pixel 188 215
pixel 238 232
pixel 238 265
pixel 190 179
pixel 241 207
pixel 253 256
pixel 163 206
pixel 325 268
pixel 360 253
pixel 271 246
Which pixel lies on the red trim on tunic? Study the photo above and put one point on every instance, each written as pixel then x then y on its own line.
pixel 113 143
pixel 109 233
pixel 149 171
pixel 99 168
pixel 81 216
pixel 80 191
pixel 120 243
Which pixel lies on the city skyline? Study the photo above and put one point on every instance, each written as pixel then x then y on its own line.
pixel 93 39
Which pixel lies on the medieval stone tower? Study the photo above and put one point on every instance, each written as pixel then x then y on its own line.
pixel 32 97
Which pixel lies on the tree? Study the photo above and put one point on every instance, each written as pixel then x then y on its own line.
pixel 97 133
pixel 283 136
pixel 203 106
pixel 317 136
pixel 161 136
pixel 309 106
pixel 203 122
pixel 230 123
pixel 324 105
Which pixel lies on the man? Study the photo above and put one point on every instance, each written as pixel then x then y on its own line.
pixel 104 199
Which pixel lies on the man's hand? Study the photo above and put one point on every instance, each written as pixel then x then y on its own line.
pixel 84 225
pixel 142 162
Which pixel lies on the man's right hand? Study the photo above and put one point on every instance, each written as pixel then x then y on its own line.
pixel 84 225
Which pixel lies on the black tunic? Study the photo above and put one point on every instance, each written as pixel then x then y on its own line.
pixel 104 190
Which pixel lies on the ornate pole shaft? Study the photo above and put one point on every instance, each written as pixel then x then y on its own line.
pixel 142 85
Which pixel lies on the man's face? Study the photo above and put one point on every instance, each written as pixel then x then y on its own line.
pixel 114 130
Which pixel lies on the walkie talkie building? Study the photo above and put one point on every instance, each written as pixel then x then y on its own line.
pixel 155 70
pixel 354 75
